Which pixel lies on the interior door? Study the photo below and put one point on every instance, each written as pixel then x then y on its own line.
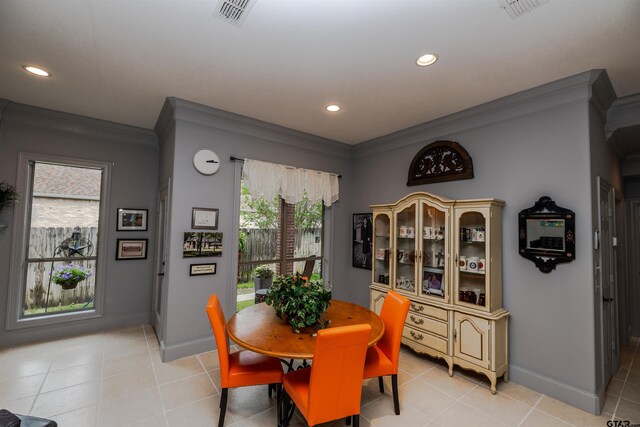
pixel 606 206
pixel 161 253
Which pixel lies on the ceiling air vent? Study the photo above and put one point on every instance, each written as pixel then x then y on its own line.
pixel 234 11
pixel 516 8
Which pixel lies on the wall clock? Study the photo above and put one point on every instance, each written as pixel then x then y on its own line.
pixel 206 162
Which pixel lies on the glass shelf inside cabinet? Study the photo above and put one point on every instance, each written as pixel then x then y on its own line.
pixel 432 274
pixel 472 259
pixel 406 232
pixel 382 246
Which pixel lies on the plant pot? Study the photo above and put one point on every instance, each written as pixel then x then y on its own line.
pixel 262 283
pixel 67 286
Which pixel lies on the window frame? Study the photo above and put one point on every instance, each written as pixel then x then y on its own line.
pixel 21 235
pixel 282 260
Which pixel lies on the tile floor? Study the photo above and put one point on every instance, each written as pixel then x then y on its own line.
pixel 116 378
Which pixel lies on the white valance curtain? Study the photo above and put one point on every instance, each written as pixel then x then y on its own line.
pixel 271 179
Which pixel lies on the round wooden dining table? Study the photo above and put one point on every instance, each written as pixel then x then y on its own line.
pixel 257 328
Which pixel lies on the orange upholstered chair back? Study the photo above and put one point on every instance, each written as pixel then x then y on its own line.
pixel 335 385
pixel 218 322
pixel 393 314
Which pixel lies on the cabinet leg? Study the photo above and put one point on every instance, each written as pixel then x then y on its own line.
pixel 505 377
pixel 450 369
pixel 494 381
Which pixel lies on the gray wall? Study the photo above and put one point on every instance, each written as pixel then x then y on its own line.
pixel 134 153
pixel 187 329
pixel 606 165
pixel 524 146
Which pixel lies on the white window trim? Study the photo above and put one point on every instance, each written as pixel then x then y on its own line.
pixel 20 243
pixel 327 255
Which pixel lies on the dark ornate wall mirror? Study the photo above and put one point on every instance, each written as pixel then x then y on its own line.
pixel 547 234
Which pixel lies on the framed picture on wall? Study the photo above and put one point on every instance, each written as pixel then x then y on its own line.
pixel 132 219
pixel 201 244
pixel 131 249
pixel 362 240
pixel 204 218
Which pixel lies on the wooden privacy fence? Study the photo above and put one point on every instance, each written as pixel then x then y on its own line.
pixel 262 244
pixel 43 244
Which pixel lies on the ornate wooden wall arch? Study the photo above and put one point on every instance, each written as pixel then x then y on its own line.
pixel 440 161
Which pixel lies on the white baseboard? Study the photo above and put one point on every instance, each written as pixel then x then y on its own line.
pixel 582 399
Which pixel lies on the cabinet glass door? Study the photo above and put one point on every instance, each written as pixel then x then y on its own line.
pixel 382 248
pixel 434 237
pixel 405 233
pixel 472 260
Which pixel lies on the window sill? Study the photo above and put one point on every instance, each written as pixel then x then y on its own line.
pixel 52 319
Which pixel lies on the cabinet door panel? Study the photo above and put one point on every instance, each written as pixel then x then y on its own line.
pixel 472 340
pixel 406 223
pixel 433 274
pixel 382 248
pixel 472 256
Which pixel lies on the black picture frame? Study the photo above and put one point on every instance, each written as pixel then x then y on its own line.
pixel 131 249
pixel 129 219
pixel 198 244
pixel 204 218
pixel 204 269
pixel 547 248
pixel 362 245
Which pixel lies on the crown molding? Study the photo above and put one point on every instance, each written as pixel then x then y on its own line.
pixel 624 112
pixel 187 111
pixel 165 118
pixel 569 90
pixel 602 94
pixel 73 123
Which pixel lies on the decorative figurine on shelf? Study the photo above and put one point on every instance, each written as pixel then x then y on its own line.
pixel 440 259
pixel 426 258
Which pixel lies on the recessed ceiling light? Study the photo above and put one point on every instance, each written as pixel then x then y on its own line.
pixel 333 108
pixel 427 59
pixel 37 71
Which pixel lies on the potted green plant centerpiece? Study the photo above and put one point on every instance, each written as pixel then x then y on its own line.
pixel 298 301
pixel 263 276
pixel 69 275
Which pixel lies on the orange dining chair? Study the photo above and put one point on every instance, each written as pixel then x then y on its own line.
pixel 331 388
pixel 242 368
pixel 382 358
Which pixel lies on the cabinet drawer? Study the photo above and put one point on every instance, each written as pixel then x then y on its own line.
pixel 427 324
pixel 425 339
pixel 427 310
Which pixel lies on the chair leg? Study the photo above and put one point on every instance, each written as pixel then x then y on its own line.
pixel 223 406
pixel 394 386
pixel 271 387
pixel 381 384
pixel 356 420
pixel 285 408
pixel 348 420
pixel 279 412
